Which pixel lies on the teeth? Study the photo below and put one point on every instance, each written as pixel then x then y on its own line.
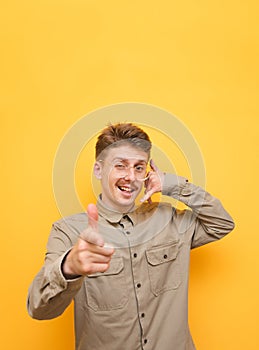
pixel 125 189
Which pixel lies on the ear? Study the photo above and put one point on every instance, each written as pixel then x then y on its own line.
pixel 98 170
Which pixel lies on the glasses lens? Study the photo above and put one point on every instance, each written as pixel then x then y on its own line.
pixel 122 169
pixel 140 171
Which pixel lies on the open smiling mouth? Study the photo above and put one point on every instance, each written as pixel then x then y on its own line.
pixel 125 189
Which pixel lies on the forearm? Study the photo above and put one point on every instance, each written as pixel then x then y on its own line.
pixel 50 293
pixel 213 221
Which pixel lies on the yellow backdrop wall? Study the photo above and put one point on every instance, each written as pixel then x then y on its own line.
pixel 197 59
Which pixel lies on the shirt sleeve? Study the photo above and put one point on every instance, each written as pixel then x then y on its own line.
pixel 209 218
pixel 50 293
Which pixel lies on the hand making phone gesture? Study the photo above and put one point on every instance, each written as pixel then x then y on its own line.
pixel 154 182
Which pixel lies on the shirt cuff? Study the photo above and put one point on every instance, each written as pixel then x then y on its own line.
pixel 61 268
pixel 173 185
pixel 57 279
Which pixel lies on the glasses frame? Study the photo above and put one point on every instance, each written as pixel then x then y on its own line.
pixel 128 167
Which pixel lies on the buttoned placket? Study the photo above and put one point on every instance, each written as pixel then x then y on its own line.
pixel 127 228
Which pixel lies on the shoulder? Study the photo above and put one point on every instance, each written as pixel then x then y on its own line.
pixel 155 210
pixel 163 210
pixel 74 223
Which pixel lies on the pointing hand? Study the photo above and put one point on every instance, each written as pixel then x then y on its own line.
pixel 89 255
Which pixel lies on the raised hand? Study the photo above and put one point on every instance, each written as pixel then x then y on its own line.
pixel 154 183
pixel 89 255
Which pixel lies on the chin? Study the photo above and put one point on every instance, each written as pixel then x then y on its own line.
pixel 125 203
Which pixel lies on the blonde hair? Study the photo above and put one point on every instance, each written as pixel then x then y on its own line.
pixel 114 134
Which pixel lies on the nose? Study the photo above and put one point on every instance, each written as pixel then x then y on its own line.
pixel 130 174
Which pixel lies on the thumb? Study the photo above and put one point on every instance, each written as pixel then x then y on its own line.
pixel 90 234
pixel 92 214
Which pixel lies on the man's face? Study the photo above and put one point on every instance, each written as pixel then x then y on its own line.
pixel 122 174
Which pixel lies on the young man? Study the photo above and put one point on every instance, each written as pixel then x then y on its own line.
pixel 126 267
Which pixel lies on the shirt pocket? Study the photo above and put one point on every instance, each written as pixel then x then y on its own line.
pixel 163 267
pixel 107 290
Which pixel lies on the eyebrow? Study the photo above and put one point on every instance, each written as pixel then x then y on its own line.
pixel 127 159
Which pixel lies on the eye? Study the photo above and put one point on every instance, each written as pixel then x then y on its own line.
pixel 140 168
pixel 119 166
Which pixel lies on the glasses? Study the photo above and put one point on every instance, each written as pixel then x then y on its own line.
pixel 122 169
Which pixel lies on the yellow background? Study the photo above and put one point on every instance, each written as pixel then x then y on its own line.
pixel 197 59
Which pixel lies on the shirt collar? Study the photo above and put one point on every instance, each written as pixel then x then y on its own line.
pixel 114 216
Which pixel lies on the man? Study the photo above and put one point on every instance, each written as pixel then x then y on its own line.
pixel 126 267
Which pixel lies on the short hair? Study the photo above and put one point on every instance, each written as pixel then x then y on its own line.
pixel 114 134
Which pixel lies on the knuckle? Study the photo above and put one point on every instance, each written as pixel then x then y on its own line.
pixel 104 267
pixel 82 245
pixel 107 259
pixel 93 268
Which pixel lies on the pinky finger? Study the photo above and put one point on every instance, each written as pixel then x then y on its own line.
pixel 146 196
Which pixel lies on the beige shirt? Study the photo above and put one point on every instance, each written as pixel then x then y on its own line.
pixel 141 301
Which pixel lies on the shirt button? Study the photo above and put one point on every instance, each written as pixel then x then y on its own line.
pixel 165 256
pixel 145 341
pixel 139 285
pixel 143 315
pixel 135 255
pixel 128 233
